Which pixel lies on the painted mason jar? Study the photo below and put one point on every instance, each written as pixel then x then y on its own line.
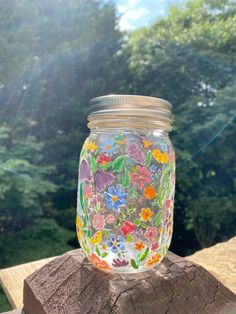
pixel 126 183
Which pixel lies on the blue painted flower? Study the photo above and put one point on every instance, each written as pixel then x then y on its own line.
pixel 107 147
pixel 153 168
pixel 164 147
pixel 153 176
pixel 159 172
pixel 116 244
pixel 115 197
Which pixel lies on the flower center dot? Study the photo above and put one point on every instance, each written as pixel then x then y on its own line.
pixel 114 198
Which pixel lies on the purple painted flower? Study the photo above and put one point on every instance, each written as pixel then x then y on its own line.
pixel 134 151
pixel 103 179
pixel 85 172
pixel 117 262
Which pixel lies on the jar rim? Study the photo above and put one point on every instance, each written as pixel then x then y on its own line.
pixel 132 106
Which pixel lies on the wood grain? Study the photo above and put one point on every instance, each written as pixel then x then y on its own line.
pixel 70 285
pixel 12 279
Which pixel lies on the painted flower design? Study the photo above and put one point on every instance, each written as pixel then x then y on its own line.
pixel 159 156
pixel 117 262
pixel 146 214
pixel 149 192
pixel 127 228
pixel 134 151
pixel 115 197
pixel 116 244
pixel 103 179
pixel 139 246
pixel 107 147
pixel 141 177
pixel 98 221
pixel 90 146
pixel 103 159
pixel 110 219
pixel 151 233
pixel 154 259
pixel 88 191
pixel 99 263
pixel 85 172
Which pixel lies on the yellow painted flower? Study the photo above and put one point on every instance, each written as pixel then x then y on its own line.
pixel 122 141
pixel 159 156
pixel 146 143
pixel 90 146
pixel 97 237
pixel 79 222
pixel 161 230
pixel 146 214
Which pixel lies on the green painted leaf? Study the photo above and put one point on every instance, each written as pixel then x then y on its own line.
pixel 157 220
pixel 118 222
pixel 126 178
pixel 85 247
pixel 132 193
pixel 81 197
pixel 134 169
pixel 129 238
pixel 133 263
pixel 82 153
pixel 97 250
pixel 143 225
pixel 137 222
pixel 144 255
pixel 118 163
pixel 131 210
pixel 93 163
pixel 148 158
pixel 104 254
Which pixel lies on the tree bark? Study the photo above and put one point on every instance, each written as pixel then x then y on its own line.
pixel 71 285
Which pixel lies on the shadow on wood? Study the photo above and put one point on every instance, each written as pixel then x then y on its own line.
pixel 70 285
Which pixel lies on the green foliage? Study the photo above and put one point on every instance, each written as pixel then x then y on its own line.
pixel 43 239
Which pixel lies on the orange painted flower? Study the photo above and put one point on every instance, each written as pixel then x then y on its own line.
pixel 139 246
pixel 146 143
pixel 159 156
pixel 99 263
pixel 146 214
pixel 122 141
pixel 154 259
pixel 149 192
pixel 90 146
pixel 103 159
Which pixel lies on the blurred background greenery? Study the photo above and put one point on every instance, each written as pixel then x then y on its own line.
pixel 55 56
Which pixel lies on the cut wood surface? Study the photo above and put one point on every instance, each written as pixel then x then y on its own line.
pixel 220 260
pixel 12 279
pixel 71 285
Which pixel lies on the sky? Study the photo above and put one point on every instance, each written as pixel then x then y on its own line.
pixel 139 13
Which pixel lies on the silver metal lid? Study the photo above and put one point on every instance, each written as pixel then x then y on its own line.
pixel 139 107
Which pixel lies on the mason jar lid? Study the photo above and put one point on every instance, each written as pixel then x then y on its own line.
pixel 154 110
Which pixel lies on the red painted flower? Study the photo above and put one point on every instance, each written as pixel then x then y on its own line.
pixel 103 159
pixel 127 227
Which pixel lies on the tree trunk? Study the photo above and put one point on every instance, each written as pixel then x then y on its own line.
pixel 71 285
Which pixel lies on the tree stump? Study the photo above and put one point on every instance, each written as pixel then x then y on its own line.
pixel 71 285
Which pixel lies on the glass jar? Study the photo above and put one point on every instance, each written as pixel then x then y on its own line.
pixel 126 183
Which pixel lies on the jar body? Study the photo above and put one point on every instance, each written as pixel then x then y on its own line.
pixel 125 198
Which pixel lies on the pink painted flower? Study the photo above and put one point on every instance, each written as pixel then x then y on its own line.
pixel 151 233
pixel 143 176
pixel 98 221
pixel 154 246
pixel 88 191
pixel 168 203
pixel 127 227
pixel 110 219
